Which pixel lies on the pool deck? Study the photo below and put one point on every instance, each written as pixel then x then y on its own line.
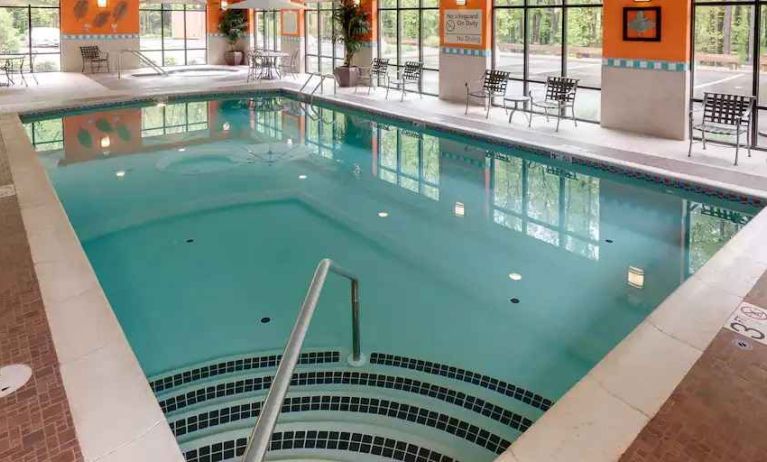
pixel 662 394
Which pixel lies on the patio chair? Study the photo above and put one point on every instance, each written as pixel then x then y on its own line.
pixel 255 65
pixel 493 84
pixel 94 58
pixel 724 114
pixel 411 74
pixel 559 96
pixel 291 66
pixel 379 68
pixel 15 67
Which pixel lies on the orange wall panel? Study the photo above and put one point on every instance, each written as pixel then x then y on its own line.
pixel 371 6
pixel 85 17
pixel 487 16
pixel 675 32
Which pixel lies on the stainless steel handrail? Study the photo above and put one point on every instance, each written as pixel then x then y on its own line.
pixel 320 85
pixel 270 411
pixel 142 57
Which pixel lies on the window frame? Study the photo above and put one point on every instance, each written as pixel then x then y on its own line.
pixel 30 55
pixel 162 8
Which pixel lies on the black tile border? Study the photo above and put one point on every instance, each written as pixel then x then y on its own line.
pixel 166 383
pixel 463 375
pixel 337 403
pixel 457 398
pixel 322 439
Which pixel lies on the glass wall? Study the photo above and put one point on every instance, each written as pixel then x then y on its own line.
pixel 409 31
pixel 266 30
pixel 408 159
pixel 322 55
pixel 31 29
pixel 730 53
pixel 173 34
pixel 535 39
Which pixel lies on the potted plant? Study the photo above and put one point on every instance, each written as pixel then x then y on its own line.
pixel 352 23
pixel 233 24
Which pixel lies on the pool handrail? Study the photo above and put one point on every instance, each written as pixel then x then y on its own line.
pixel 142 58
pixel 258 443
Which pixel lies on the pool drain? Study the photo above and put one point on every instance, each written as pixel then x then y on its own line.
pixel 609 241
pixel 514 300
pixel 743 344
pixel 189 241
pixel 13 377
pixel 265 319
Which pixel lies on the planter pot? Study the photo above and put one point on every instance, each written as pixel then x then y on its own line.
pixel 347 76
pixel 234 58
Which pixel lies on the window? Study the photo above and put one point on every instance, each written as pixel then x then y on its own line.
pixel 322 55
pixel 32 31
pixel 266 30
pixel 536 39
pixel 552 205
pixel 173 34
pixel 408 159
pixel 409 31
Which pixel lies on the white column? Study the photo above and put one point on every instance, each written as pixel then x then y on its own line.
pixel 458 66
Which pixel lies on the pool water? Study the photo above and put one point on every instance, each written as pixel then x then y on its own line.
pixel 205 219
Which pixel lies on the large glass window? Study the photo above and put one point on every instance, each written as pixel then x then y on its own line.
pixel 409 31
pixel 322 55
pixel 535 39
pixel 266 30
pixel 31 29
pixel 173 34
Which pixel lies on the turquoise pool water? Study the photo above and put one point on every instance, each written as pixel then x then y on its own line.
pixel 204 221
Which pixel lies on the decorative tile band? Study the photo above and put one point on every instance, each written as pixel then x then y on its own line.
pixel 216 35
pixel 471 403
pixel 317 439
pixel 456 373
pixel 647 65
pixel 292 38
pixel 465 51
pixel 237 365
pixel 98 36
pixel 379 407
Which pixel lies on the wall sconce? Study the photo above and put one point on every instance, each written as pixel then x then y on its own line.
pixel 105 142
pixel 460 2
pixel 636 277
pixel 224 4
pixel 101 3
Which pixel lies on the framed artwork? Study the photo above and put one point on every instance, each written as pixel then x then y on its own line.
pixel 642 24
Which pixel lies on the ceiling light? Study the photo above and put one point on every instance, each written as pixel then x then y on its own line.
pixel 515 276
pixel 459 209
pixel 120 173
pixel 383 214
pixel 636 277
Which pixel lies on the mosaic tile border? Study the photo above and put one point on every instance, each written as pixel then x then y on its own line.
pixel 166 383
pixel 291 38
pixel 456 373
pixel 465 51
pixel 318 439
pixel 336 403
pixel 99 36
pixel 671 66
pixel 457 398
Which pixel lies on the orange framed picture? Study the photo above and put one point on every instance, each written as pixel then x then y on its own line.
pixel 642 24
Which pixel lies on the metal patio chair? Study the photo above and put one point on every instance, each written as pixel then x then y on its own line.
pixel 559 96
pixel 13 68
pixel 492 85
pixel 724 114
pixel 291 67
pixel 411 74
pixel 94 58
pixel 379 68
pixel 255 65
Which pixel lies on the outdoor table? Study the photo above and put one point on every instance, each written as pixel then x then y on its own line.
pixel 517 99
pixel 270 60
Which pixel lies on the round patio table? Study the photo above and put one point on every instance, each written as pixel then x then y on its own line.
pixel 270 62
pixel 517 99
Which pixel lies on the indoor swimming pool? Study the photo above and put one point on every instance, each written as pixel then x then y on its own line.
pixel 492 278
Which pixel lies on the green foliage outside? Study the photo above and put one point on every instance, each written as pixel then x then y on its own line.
pixel 726 30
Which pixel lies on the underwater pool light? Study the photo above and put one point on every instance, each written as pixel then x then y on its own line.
pixel 515 276
pixel 120 173
pixel 302 177
pixel 459 209
pixel 383 214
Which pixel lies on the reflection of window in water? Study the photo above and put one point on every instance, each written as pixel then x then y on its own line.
pixel 324 130
pixel 174 118
pixel 709 229
pixel 268 123
pixel 409 159
pixel 46 135
pixel 553 205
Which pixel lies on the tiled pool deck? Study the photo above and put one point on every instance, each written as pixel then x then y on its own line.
pixel 667 392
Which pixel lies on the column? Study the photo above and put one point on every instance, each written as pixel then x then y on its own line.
pixel 465 44
pixel 293 31
pixel 112 25
pixel 369 49
pixel 217 43
pixel 646 84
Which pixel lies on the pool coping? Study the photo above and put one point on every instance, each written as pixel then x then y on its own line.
pixel 596 420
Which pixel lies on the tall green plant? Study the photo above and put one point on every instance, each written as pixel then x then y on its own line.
pixel 233 24
pixel 352 23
